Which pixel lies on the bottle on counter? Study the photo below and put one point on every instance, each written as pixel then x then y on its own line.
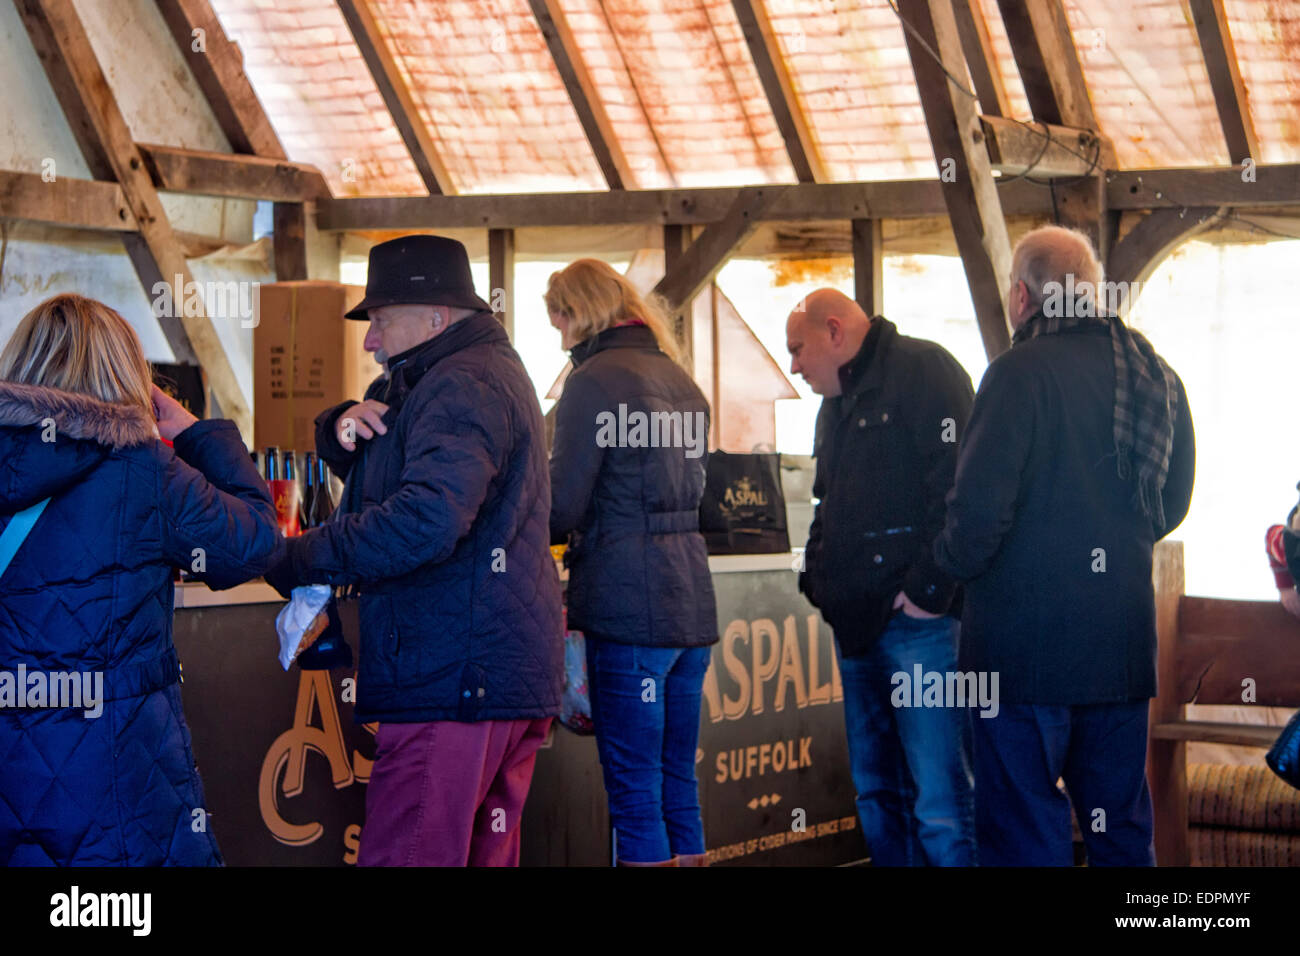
pixel 322 505
pixel 308 489
pixel 284 490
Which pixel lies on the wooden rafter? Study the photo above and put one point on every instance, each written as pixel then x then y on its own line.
pixel 978 48
pixel 582 93
pixel 80 203
pixel 65 52
pixel 1049 66
pixel 1173 188
pixel 218 67
pixel 1048 61
pixel 1225 79
pixel 971 194
pixel 397 96
pixel 779 88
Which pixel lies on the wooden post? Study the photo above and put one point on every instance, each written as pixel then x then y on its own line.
pixel 868 266
pixel 966 178
pixel 1167 759
pixel 677 239
pixel 501 277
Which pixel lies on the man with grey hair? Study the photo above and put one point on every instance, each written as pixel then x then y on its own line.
pixel 1079 456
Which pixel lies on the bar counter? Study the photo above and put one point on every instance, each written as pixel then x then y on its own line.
pixel 284 765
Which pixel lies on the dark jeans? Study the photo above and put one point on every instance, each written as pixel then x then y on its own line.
pixel 1023 819
pixel 909 764
pixel 645 704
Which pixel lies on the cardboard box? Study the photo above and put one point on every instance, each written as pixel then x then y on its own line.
pixel 306 358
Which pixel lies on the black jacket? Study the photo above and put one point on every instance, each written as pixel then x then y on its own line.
pixel 444 526
pixel 1036 513
pixel 886 449
pixel 638 566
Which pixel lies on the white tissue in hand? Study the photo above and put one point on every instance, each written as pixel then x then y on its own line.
pixel 294 618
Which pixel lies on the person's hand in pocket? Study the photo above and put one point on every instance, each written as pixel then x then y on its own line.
pixel 902 601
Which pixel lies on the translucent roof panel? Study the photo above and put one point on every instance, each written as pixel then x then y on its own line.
pixel 853 80
pixel 319 96
pixel 681 91
pixel 489 94
pixel 1004 60
pixel 1147 80
pixel 1267 38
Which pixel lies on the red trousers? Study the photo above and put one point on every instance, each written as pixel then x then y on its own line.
pixel 448 793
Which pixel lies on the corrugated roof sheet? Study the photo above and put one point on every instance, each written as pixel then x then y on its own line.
pixel 681 91
pixel 490 94
pixel 684 100
pixel 319 96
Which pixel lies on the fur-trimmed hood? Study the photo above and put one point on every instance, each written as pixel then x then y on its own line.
pixel 75 415
pixel 37 461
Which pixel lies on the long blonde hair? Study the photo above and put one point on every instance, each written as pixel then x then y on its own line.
pixel 595 297
pixel 76 344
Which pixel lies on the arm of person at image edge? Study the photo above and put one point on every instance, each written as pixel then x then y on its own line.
pixel 212 498
pixel 1283 545
pixel 575 456
pixel 451 456
pixel 943 392
pixel 992 460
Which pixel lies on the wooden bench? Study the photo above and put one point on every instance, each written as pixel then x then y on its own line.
pixel 1208 649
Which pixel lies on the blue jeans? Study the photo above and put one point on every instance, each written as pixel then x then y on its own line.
pixel 1023 819
pixel 909 764
pixel 645 704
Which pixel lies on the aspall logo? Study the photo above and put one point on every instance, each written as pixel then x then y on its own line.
pixel 283 767
pixel 741 493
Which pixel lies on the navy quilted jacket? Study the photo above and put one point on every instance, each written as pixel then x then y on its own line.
pixel 90 591
pixel 638 565
pixel 443 526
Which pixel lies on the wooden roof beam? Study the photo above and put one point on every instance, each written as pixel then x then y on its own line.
pixel 971 194
pixel 65 52
pixel 583 94
pixel 779 88
pixel 978 49
pixel 397 96
pixel 218 66
pixel 700 262
pixel 78 203
pixel 226 174
pixel 1225 79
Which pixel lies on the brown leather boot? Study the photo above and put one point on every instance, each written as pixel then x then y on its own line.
pixel 693 859
pixel 672 862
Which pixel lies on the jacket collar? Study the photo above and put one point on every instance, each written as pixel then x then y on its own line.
pixel 407 368
pixel 616 337
pixel 75 415
pixel 865 372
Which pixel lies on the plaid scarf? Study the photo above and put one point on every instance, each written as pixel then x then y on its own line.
pixel 1146 405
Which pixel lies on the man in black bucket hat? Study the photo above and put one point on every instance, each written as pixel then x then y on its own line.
pixel 444 529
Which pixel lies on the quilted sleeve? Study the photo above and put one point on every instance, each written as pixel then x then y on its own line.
pixel 217 515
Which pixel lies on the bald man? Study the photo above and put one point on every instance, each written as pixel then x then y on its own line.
pixel 1079 457
pixel 893 411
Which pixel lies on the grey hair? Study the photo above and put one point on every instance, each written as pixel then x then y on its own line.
pixel 1049 255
